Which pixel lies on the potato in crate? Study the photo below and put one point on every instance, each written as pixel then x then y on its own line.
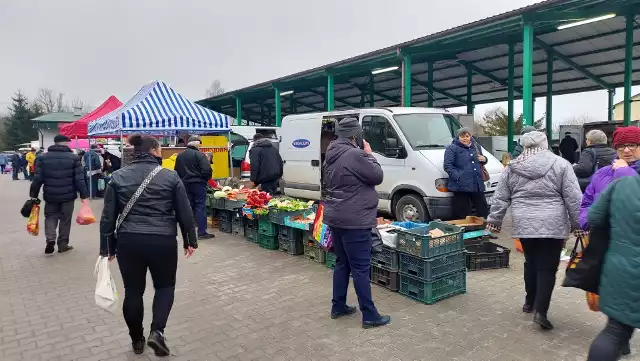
pixel 433 240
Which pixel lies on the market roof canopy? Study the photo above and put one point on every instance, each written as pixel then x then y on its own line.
pixel 158 109
pixel 465 65
pixel 79 128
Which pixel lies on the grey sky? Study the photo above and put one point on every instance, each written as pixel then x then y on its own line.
pixel 91 49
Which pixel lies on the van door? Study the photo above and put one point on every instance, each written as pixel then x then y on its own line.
pixel 300 151
pixel 388 150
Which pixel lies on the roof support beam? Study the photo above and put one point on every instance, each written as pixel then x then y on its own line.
pixel 550 50
pixel 527 74
pixel 337 100
pixel 487 74
pixel 628 68
pixel 460 100
pixel 381 95
pixel 510 96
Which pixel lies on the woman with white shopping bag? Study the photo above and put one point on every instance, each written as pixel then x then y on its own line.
pixel 142 206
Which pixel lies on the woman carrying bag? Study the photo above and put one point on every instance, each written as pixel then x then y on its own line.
pixel 143 205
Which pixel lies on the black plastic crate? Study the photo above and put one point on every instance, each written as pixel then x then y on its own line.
pixel 330 260
pixel 430 292
pixel 237 229
pixel 218 203
pixel 487 255
pixel 226 227
pixel 313 253
pixel 225 216
pixel 289 233
pixel 237 219
pixel 388 258
pixel 292 247
pixel 251 235
pixel 232 205
pixel 251 223
pixel 386 278
pixel 429 268
pixel 268 242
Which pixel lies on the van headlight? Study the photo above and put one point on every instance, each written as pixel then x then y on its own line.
pixel 441 185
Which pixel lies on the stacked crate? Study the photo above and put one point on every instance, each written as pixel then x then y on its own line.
pixel 432 268
pixel 226 221
pixel 251 230
pixel 237 223
pixel 290 240
pixel 267 233
pixel 384 269
pixel 311 250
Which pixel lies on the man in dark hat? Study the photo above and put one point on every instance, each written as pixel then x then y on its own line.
pixel 266 164
pixel 194 169
pixel 351 207
pixel 61 173
pixel 568 147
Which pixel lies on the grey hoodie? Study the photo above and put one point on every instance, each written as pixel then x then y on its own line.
pixel 543 193
pixel 351 176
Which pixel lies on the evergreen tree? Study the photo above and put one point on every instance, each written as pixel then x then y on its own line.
pixel 19 128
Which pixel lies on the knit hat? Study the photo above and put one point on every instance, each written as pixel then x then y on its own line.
pixel 527 129
pixel 626 135
pixel 348 127
pixel 463 130
pixel 194 138
pixel 534 139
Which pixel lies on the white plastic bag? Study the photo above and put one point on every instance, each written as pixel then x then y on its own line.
pixel 106 293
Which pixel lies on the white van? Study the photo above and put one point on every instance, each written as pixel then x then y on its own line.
pixel 409 144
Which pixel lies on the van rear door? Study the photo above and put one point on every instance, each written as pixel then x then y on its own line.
pixel 300 151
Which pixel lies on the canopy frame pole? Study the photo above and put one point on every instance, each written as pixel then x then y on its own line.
pixel 527 73
pixel 406 81
pixel 611 94
pixel 276 92
pixel 470 107
pixel 430 98
pixel 549 111
pixel 511 96
pixel 230 157
pixel 628 68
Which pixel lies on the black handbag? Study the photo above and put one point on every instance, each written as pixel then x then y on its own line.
pixel 25 211
pixel 376 244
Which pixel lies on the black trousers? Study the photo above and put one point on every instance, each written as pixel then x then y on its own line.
pixel 541 260
pixel 270 187
pixel 464 201
pixel 57 222
pixel 608 344
pixel 136 253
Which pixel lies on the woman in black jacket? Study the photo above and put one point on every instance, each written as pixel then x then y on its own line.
pixel 146 237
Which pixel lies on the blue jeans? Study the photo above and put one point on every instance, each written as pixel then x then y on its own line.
pixel 197 193
pixel 353 250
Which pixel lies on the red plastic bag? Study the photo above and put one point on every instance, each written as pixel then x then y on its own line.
pixel 33 223
pixel 85 216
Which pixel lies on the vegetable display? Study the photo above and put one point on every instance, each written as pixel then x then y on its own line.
pixel 289 205
pixel 257 199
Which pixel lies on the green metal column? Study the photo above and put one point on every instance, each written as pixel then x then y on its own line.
pixel 611 95
pixel 362 99
pixel 527 73
pixel 628 69
pixel 276 94
pixel 549 111
pixel 372 91
pixel 469 91
pixel 238 111
pixel 511 96
pixel 330 97
pixel 406 80
pixel 430 85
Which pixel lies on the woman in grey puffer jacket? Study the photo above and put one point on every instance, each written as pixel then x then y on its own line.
pixel 544 195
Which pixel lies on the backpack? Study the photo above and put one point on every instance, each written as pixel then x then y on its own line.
pixel 584 182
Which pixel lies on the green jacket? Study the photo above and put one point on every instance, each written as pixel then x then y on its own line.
pixel 618 208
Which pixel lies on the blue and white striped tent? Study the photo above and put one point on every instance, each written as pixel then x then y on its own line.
pixel 159 110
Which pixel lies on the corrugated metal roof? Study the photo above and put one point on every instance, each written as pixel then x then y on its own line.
pixel 58 117
pixel 597 47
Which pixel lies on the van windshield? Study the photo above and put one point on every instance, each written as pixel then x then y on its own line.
pixel 428 130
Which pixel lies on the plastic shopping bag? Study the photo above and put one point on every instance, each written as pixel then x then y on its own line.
pixel 101 184
pixel 85 216
pixel 106 293
pixel 518 245
pixel 33 223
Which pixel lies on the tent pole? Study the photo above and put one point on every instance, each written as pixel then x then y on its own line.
pixel 89 176
pixel 230 158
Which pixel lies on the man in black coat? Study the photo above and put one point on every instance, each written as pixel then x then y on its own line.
pixel 266 164
pixel 194 169
pixel 15 165
pixel 61 173
pixel 568 147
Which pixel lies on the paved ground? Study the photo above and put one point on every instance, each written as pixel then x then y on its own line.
pixel 235 301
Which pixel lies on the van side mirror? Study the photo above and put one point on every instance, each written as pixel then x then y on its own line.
pixel 392 148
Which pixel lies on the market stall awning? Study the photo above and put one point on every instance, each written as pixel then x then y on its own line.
pixel 158 109
pixel 78 129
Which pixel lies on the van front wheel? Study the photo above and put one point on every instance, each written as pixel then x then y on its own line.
pixel 411 207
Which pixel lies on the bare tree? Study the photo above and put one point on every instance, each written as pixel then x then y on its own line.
pixel 61 105
pixel 82 105
pixel 576 120
pixel 46 100
pixel 215 89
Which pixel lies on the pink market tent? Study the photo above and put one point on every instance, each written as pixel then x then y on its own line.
pixel 78 129
pixel 79 144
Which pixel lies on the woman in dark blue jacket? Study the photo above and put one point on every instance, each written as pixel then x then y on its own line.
pixel 463 162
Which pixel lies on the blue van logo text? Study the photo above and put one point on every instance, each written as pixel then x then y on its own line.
pixel 301 143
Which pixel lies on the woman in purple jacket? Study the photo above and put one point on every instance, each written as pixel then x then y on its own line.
pixel 625 142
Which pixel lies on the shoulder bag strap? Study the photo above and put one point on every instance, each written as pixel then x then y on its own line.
pixel 135 196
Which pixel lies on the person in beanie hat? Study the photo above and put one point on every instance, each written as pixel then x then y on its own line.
pixel 625 164
pixel 351 174
pixel 543 195
pixel 518 148
pixel 194 169
pixel 266 164
pixel 463 162
pixel 60 172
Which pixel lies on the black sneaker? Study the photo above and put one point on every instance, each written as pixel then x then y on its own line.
pixel 382 321
pixel 542 321
pixel 138 346
pixel 626 350
pixel 158 344
pixel 206 236
pixel 50 248
pixel 65 248
pixel 350 310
